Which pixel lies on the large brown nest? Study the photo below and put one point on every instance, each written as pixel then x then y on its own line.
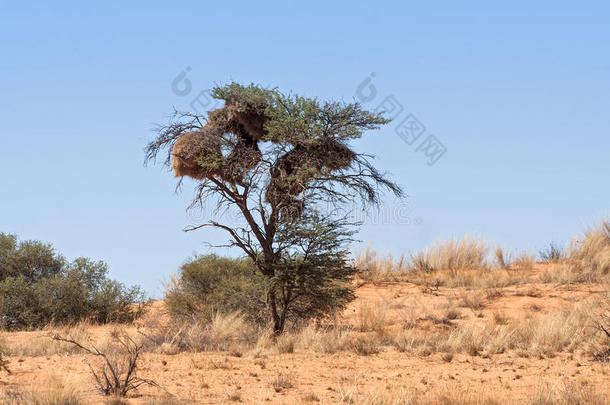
pixel 239 119
pixel 297 167
pixel 189 149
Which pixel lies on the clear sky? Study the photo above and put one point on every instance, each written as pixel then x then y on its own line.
pixel 518 94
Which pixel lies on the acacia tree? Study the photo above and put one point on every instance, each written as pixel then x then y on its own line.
pixel 285 163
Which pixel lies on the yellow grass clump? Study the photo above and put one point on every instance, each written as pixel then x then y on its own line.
pixel 376 269
pixel 453 254
pixel 592 255
pixel 53 392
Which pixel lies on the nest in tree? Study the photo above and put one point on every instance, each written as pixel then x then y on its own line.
pixel 199 154
pixel 250 118
pixel 241 120
pixel 293 170
pixel 244 156
pixel 334 154
pixel 191 149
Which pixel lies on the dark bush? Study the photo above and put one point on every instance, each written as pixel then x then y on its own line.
pixel 209 284
pixel 551 254
pixel 38 286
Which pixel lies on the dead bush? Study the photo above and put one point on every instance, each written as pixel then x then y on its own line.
pixel 117 376
pixel 552 253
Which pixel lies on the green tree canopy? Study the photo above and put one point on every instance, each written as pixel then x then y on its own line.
pixel 39 286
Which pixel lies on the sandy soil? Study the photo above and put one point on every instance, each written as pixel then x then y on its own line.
pixel 218 377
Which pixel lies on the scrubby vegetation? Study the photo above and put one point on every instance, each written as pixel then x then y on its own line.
pixel 208 285
pixel 467 262
pixel 455 308
pixel 39 286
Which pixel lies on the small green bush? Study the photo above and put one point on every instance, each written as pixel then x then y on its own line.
pixel 38 286
pixel 210 284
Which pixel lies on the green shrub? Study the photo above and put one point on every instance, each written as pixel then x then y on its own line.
pixel 210 284
pixel 38 286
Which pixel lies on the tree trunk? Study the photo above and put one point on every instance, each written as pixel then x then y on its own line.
pixel 278 321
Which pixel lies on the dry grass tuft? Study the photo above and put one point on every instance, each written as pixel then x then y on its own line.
pixel 447 357
pixel 588 260
pixel 165 400
pixel 372 317
pixel 41 345
pixel 323 340
pixel 226 332
pixel 540 335
pixel 310 397
pixel 376 270
pixel 234 396
pixel 401 396
pixel 472 299
pixel 364 345
pixel 385 397
pixel 501 260
pixel 591 256
pixel 3 362
pixel 282 382
pixel 453 254
pixel 453 314
pixel 55 393
pixel 455 397
pixel 599 346
pixel 286 343
pixel 567 393
pixel 524 262
pixel 500 318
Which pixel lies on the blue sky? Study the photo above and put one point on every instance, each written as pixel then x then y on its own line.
pixel 518 94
